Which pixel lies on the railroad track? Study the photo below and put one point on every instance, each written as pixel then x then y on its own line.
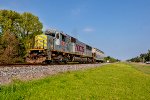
pixel 38 64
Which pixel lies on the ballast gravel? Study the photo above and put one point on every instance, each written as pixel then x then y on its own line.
pixel 29 72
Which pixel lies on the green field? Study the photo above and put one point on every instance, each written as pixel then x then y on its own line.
pixel 142 67
pixel 114 81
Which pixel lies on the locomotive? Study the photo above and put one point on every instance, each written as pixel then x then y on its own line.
pixel 56 46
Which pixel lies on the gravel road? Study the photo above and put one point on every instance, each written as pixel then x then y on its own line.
pixel 29 72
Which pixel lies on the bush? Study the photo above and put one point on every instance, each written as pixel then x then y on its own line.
pixel 10 50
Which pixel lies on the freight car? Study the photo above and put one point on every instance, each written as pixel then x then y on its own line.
pixel 55 46
pixel 98 55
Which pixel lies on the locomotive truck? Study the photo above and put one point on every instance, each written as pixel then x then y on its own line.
pixel 56 46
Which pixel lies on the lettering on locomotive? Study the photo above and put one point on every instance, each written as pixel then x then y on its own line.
pixel 79 48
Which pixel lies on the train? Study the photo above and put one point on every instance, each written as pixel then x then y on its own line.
pixel 56 46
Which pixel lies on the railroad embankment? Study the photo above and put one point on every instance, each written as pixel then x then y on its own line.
pixel 29 72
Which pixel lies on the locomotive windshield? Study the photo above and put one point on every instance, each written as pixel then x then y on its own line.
pixel 57 35
pixel 52 34
pixel 49 32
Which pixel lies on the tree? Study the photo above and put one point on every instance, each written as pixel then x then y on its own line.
pixel 9 21
pixel 20 27
pixel 148 56
pixel 25 26
pixel 9 48
pixel 142 58
pixel 30 27
pixel 110 59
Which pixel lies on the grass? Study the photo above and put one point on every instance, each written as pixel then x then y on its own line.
pixel 145 68
pixel 114 81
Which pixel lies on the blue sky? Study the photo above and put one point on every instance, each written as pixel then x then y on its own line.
pixel 120 28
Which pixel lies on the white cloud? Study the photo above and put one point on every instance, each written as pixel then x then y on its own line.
pixel 88 30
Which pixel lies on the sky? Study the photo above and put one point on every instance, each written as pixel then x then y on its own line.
pixel 120 28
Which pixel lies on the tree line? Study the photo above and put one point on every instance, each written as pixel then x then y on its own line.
pixel 110 59
pixel 17 30
pixel 141 58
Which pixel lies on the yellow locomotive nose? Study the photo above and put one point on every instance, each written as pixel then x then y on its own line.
pixel 40 42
